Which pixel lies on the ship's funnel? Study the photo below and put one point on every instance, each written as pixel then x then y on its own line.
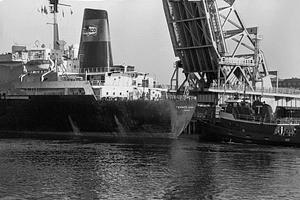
pixel 95 48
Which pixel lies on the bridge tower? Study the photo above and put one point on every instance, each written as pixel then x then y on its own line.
pixel 214 46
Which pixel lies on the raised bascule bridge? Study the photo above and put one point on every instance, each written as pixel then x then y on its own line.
pixel 219 55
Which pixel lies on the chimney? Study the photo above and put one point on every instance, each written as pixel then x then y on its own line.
pixel 95 48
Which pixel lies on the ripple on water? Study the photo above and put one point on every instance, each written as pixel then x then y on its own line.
pixel 182 169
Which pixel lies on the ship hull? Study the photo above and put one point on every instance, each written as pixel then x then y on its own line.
pixel 242 131
pixel 59 116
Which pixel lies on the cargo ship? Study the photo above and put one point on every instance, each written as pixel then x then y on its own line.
pixel 50 93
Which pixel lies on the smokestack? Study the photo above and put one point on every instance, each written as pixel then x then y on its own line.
pixel 95 47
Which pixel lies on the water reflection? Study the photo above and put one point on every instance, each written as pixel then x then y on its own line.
pixel 181 169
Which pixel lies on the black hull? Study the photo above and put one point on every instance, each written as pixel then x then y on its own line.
pixel 84 117
pixel 240 131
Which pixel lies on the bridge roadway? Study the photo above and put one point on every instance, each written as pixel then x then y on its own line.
pixel 270 92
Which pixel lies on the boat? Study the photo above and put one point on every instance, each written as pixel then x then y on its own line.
pixel 241 121
pixel 49 93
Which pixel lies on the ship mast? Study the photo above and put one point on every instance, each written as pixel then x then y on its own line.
pixel 55 28
pixel 54 10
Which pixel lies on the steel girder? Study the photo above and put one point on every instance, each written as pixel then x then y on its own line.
pixel 204 33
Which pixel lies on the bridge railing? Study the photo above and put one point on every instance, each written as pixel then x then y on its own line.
pixel 240 88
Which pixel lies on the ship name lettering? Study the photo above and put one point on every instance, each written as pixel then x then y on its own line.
pixel 184 107
pixel 285 131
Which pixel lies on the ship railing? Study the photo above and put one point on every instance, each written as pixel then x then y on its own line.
pixel 94 70
pixel 97 83
pixel 239 88
pixel 288 120
pixel 129 98
pixel 110 98
pixel 181 97
pixel 245 117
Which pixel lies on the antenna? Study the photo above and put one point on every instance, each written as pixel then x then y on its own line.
pixel 55 5
pixel 54 10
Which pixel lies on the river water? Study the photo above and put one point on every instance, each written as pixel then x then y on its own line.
pixel 179 169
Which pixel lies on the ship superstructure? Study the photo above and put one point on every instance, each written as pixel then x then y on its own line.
pixel 95 65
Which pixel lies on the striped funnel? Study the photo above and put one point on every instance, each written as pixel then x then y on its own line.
pixel 95 48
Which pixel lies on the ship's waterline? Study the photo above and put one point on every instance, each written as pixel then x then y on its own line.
pixel 84 116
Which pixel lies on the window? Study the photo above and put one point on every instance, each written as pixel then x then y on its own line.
pixel 145 83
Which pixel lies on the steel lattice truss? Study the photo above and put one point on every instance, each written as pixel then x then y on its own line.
pixel 213 44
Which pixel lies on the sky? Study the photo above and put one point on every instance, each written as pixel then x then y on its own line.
pixel 139 33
